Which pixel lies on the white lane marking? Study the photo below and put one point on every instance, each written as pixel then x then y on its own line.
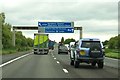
pixel 58 62
pixel 52 54
pixel 104 63
pixel 54 58
pixel 65 70
pixel 111 58
pixel 14 60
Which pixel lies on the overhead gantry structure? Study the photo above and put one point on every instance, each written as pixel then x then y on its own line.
pixel 14 28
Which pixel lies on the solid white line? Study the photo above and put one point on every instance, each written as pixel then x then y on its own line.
pixel 111 58
pixel 65 70
pixel 54 58
pixel 52 54
pixel 58 62
pixel 104 63
pixel 14 60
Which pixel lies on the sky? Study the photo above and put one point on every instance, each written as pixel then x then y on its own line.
pixel 99 19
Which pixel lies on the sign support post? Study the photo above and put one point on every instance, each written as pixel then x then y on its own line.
pixel 80 31
pixel 13 37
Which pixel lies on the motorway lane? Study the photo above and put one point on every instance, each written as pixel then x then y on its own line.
pixel 8 57
pixel 86 70
pixel 46 66
pixel 34 66
pixel 112 62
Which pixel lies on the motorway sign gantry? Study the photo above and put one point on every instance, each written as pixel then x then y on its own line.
pixel 14 28
pixel 56 24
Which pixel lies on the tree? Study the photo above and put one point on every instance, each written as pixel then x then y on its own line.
pixel 21 41
pixel 119 41
pixel 62 40
pixel 30 42
pixel 6 35
pixel 114 42
pixel 105 42
pixel 2 17
pixel 67 41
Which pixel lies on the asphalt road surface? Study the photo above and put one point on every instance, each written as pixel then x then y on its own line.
pixel 53 65
pixel 8 57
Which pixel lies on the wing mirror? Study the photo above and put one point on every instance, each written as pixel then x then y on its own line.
pixel 76 44
pixel 103 47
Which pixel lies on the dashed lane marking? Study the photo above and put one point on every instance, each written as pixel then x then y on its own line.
pixel 65 70
pixel 58 62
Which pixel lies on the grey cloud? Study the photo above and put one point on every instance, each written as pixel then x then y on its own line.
pixel 90 11
pixel 29 12
pixel 70 11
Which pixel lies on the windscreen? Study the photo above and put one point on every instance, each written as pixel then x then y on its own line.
pixel 90 44
pixel 63 47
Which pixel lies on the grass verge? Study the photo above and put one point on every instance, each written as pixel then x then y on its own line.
pixel 112 53
pixel 14 50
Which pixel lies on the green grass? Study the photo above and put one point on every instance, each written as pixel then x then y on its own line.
pixel 112 53
pixel 8 51
pixel 14 50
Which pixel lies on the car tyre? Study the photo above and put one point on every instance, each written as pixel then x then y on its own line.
pixel 100 65
pixel 76 64
pixel 35 53
pixel 46 53
pixel 58 52
pixel 72 62
pixel 93 64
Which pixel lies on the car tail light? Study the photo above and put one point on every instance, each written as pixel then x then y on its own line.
pixel 78 51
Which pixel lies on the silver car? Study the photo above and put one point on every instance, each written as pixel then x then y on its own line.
pixel 62 49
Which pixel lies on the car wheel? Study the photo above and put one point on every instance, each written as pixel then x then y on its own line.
pixel 35 53
pixel 76 64
pixel 72 62
pixel 93 64
pixel 100 65
pixel 58 52
pixel 46 53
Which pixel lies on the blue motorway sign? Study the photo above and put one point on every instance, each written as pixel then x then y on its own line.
pixel 59 30
pixel 55 24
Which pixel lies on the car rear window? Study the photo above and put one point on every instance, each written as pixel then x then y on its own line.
pixel 89 44
pixel 63 47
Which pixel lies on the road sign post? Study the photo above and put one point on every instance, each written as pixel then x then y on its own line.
pixel 79 28
pixel 13 39
pixel 41 30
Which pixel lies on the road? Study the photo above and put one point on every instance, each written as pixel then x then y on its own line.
pixel 54 66
pixel 6 58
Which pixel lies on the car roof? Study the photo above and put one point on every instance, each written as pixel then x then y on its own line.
pixel 72 43
pixel 90 39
